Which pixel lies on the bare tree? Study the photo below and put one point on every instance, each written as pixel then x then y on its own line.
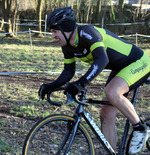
pixel 140 10
pixel 78 10
pixel 39 15
pixel 88 11
pixel 2 24
pixel 121 6
pixel 98 11
pixel 14 15
pixel 9 12
pixel 71 2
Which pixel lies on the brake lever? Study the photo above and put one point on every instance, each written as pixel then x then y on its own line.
pixel 81 98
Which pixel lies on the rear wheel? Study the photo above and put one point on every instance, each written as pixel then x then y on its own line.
pixel 147 121
pixel 47 137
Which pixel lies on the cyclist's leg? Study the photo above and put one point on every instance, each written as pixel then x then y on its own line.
pixel 115 91
pixel 108 118
pixel 109 113
pixel 129 77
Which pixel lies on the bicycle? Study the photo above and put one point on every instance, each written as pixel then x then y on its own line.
pixel 62 134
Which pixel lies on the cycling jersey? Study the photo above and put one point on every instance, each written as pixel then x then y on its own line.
pixel 101 49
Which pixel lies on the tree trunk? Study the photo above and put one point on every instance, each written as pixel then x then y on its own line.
pixel 57 4
pixel 121 5
pixel 78 10
pixel 39 16
pixel 6 9
pixel 14 15
pixel 140 10
pixel 71 3
pixel 112 14
pixel 88 11
pixel 98 11
pixel 2 24
pixel 82 12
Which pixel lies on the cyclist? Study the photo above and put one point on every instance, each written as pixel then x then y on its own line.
pixel 101 49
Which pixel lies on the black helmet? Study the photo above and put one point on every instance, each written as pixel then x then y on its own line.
pixel 59 16
pixel 62 19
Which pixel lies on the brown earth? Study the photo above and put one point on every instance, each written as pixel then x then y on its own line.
pixel 13 128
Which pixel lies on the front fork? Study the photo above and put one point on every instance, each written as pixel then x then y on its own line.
pixel 72 130
pixel 75 128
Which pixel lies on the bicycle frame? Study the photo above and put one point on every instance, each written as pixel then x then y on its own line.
pixel 80 112
pixel 97 131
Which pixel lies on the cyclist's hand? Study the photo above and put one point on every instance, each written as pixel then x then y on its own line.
pixel 44 89
pixel 73 88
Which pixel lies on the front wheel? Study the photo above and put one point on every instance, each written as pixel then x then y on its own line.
pixel 51 136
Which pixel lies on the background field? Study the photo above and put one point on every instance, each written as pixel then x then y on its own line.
pixel 19 108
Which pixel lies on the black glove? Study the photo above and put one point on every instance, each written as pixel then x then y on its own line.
pixel 44 89
pixel 73 88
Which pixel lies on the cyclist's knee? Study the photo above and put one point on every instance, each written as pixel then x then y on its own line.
pixel 116 88
pixel 111 93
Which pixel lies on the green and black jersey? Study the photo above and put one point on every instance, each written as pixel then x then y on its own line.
pixel 101 49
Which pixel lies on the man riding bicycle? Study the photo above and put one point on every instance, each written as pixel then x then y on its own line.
pixel 102 49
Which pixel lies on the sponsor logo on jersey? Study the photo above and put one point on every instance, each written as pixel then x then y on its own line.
pixel 85 51
pixel 77 54
pixel 88 36
pixel 95 68
pixel 134 71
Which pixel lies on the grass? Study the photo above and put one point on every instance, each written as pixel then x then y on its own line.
pixel 19 93
pixel 16 55
pixel 4 147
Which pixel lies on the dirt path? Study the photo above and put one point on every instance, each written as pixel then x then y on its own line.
pixel 13 129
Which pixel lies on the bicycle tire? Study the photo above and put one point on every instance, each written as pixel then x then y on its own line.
pixel 147 121
pixel 146 149
pixel 46 135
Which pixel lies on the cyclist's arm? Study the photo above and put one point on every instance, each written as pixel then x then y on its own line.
pixel 100 62
pixel 65 76
pixel 69 68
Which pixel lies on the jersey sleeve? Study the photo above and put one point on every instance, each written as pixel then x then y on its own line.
pixel 99 63
pixel 69 69
pixel 98 55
